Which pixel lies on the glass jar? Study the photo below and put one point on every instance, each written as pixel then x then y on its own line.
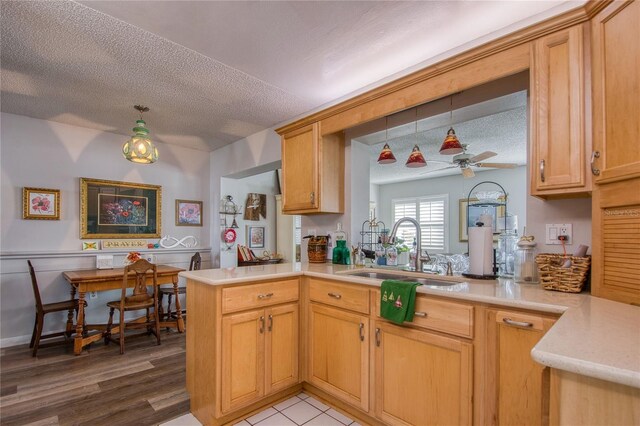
pixel 505 256
pixel 526 270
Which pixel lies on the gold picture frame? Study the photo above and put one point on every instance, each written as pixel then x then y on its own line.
pixel 112 209
pixel 495 211
pixel 188 213
pixel 40 203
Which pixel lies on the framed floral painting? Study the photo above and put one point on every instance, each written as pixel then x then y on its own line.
pixel 111 209
pixel 255 236
pixel 188 213
pixel 40 203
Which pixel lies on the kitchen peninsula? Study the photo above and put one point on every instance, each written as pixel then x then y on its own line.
pixel 259 334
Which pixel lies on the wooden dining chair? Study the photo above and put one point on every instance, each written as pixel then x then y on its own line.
pixel 194 265
pixel 139 299
pixel 46 308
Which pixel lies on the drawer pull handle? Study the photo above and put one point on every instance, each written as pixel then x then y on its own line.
pixel 261 325
pixel 270 323
pixel 595 170
pixel 361 332
pixel 335 295
pixel 265 296
pixel 420 314
pixel 518 323
pixel 542 170
pixel 378 337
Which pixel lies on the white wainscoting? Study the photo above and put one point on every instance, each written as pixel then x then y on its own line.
pixel 17 303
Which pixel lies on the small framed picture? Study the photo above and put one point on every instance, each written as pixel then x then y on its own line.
pixel 255 236
pixel 188 213
pixel 41 203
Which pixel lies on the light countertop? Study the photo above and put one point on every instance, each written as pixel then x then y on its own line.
pixel 594 337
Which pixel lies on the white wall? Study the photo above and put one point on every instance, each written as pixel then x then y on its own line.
pixel 40 153
pixel 457 188
pixel 263 183
pixel 259 152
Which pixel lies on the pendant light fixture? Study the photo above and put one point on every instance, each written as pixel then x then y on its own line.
pixel 416 159
pixel 386 156
pixel 451 144
pixel 140 148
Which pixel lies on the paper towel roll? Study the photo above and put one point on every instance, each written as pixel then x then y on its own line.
pixel 481 250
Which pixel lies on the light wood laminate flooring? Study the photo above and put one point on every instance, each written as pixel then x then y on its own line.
pixel 145 386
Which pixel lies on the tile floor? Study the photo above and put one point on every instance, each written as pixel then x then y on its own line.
pixel 298 410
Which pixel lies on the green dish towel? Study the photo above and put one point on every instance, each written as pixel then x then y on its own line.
pixel 397 300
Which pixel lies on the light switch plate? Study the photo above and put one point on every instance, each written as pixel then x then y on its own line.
pixel 554 230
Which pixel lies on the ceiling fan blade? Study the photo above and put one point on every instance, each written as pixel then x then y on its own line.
pixel 482 156
pixel 497 165
pixel 467 172
pixel 437 170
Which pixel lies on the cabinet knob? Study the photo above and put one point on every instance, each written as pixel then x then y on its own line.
pixel 362 332
pixel 595 170
pixel 265 296
pixel 312 197
pixel 261 325
pixel 378 337
pixel 335 295
pixel 542 170
pixel 420 314
pixel 270 327
pixel 517 323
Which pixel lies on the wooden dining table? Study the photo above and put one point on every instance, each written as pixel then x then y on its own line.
pixel 89 280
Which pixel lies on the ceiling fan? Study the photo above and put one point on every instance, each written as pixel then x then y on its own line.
pixel 464 161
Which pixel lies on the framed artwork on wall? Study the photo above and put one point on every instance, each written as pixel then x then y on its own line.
pixel 474 214
pixel 188 213
pixel 112 209
pixel 255 236
pixel 40 203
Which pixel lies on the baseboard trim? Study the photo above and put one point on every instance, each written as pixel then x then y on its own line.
pixel 8 342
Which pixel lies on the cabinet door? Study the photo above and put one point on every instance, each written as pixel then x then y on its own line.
pixel 558 133
pixel 339 354
pixel 242 359
pixel 421 378
pixel 520 385
pixel 300 162
pixel 281 347
pixel 616 241
pixel 616 91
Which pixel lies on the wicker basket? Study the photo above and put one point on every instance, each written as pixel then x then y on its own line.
pixel 554 277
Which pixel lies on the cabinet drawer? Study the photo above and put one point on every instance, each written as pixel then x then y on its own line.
pixel 341 295
pixel 440 315
pixel 256 295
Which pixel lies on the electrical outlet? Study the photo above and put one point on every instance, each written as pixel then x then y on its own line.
pixel 556 230
pixel 151 258
pixel 93 295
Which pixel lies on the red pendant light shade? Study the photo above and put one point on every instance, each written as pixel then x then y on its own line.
pixel 386 156
pixel 451 144
pixel 416 159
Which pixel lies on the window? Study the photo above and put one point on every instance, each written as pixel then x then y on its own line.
pixel 297 220
pixel 432 214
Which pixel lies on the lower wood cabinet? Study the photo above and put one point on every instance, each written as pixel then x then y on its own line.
pixel 421 378
pixel 259 354
pixel 519 387
pixel 338 354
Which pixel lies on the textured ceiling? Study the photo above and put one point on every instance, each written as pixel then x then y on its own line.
pixel 215 72
pixel 503 130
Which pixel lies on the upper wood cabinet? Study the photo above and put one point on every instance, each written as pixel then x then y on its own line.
pixel 616 91
pixel 559 138
pixel 313 171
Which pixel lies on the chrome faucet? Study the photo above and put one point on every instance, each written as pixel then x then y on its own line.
pixel 419 258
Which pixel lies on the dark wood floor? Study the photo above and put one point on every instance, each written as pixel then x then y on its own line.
pixel 145 386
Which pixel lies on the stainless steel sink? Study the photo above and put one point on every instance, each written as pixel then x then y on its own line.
pixel 401 277
pixel 378 275
pixel 429 281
